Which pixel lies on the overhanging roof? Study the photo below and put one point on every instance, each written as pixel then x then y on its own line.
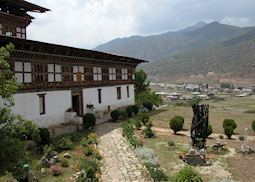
pixel 42 47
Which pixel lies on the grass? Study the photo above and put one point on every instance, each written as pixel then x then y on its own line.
pixel 230 107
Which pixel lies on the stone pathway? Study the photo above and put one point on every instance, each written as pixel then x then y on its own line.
pixel 120 163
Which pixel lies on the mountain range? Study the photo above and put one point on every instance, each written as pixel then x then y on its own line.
pixel 203 52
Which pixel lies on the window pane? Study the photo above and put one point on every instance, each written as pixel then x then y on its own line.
pixel 113 77
pixel 75 69
pixel 99 77
pixel 19 77
pixel 27 67
pixel 82 77
pixel 74 77
pixel 18 29
pixel 58 77
pixel 23 36
pixel 95 77
pixel 99 70
pixel 23 30
pixel 50 68
pixel 51 77
pixel 94 69
pixel 18 35
pixel 58 68
pixel 1 32
pixel 81 69
pixel 18 66
pixel 28 78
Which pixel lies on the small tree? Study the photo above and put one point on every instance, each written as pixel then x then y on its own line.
pixel 253 125
pixel 228 130
pixel 176 123
pixel 229 122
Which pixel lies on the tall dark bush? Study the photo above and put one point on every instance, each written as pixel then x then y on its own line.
pixel 129 111
pixel 115 114
pixel 45 136
pixel 253 125
pixel 176 123
pixel 229 122
pixel 89 121
pixel 135 109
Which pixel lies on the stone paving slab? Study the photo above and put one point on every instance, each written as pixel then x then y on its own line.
pixel 120 163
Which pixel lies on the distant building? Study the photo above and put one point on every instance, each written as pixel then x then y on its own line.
pixel 58 78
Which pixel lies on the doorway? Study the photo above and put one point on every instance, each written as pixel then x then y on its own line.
pixel 77 103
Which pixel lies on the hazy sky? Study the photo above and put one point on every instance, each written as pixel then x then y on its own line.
pixel 88 23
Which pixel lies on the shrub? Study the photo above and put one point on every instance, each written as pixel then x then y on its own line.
pixel 123 115
pixel 128 131
pixel 64 163
pixel 129 111
pixel 44 135
pixel 241 138
pixel 135 109
pixel 92 138
pixel 228 131
pixel 188 174
pixel 27 130
pixel 48 151
pixel 209 130
pixel 96 155
pixel 144 117
pixel 137 124
pixel 91 167
pixel 89 121
pixel 65 144
pixel 147 131
pixel 176 123
pixel 134 141
pixel 253 125
pixel 148 105
pixel 147 155
pixel 229 122
pixel 55 170
pixel 115 114
pixel 171 143
pixel 156 173
pixel 88 151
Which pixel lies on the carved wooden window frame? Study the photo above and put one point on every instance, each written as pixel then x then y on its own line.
pixel 112 73
pixel 55 73
pixel 124 74
pixel 78 74
pixel 20 33
pixel 97 73
pixel 23 72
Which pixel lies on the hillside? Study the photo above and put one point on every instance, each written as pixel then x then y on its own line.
pixel 158 47
pixel 228 61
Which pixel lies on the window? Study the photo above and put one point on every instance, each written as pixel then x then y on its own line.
pixel 1 32
pixel 42 103
pixel 78 73
pixel 8 33
pixel 118 93
pixel 21 33
pixel 133 74
pixel 99 91
pixel 112 73
pixel 124 72
pixel 127 91
pixel 97 73
pixel 54 73
pixel 23 72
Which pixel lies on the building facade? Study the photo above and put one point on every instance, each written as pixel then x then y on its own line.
pixel 58 80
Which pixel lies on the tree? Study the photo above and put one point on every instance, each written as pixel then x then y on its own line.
pixel 140 81
pixel 143 94
pixel 12 149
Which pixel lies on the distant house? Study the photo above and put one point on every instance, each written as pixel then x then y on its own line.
pixel 58 78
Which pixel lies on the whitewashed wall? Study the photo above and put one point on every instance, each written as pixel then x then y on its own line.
pixel 56 103
pixel 109 98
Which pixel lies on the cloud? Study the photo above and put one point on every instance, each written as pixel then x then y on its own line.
pixel 88 23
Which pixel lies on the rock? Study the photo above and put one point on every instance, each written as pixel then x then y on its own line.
pixel 54 153
pixel 67 155
pixel 44 172
pixel 194 159
pixel 44 162
pixel 51 162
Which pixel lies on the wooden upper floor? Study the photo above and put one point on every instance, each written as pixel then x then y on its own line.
pixel 41 66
